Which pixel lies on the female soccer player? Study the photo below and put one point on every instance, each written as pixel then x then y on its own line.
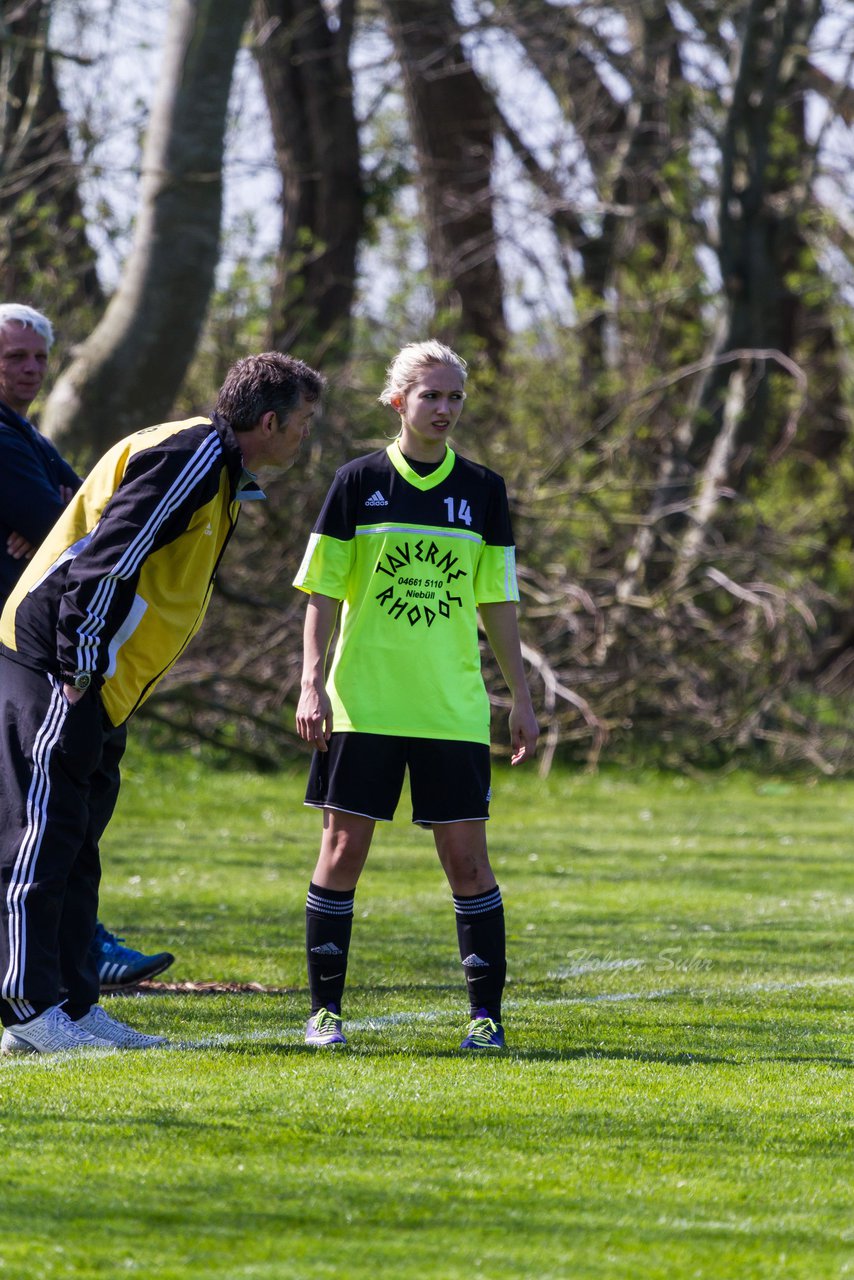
pixel 414 540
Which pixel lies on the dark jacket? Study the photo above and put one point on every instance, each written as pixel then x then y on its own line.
pixel 31 472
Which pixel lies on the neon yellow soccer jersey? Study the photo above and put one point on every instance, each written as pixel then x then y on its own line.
pixel 411 557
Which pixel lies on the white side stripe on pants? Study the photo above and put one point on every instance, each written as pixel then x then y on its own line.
pixel 23 873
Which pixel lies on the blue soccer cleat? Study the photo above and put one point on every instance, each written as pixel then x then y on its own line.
pixel 483 1033
pixel 120 966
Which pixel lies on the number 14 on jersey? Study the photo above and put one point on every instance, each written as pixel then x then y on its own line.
pixel 463 511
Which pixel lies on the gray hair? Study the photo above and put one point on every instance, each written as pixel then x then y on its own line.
pixel 18 313
pixel 404 369
pixel 270 382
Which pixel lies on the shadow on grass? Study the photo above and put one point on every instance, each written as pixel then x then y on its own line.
pixel 736 1058
pixel 426 1052
pixel 361 1051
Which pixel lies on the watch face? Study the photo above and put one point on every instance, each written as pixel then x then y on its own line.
pixel 82 680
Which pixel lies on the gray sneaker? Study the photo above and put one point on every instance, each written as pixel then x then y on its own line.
pixel 51 1032
pixel 117 1034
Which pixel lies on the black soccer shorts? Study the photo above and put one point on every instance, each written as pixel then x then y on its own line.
pixel 362 773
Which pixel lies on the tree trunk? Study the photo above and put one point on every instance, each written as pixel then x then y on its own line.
pixel 764 188
pixel 305 71
pixel 452 119
pixel 129 371
pixel 45 256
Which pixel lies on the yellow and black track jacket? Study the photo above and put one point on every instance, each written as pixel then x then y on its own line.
pixel 122 581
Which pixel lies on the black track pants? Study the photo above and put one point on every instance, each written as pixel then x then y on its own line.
pixel 59 781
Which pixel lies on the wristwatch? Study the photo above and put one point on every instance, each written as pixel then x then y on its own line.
pixel 78 679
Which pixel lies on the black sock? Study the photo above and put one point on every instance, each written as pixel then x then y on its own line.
pixel 76 1011
pixel 480 932
pixel 328 922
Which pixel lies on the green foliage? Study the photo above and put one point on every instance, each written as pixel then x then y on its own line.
pixel 673 1102
pixel 388 169
pixel 46 263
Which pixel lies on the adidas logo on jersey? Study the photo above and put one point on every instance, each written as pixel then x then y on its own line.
pixel 328 949
pixel 376 500
pixel 474 962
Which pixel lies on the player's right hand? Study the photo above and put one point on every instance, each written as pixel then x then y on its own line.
pixel 18 547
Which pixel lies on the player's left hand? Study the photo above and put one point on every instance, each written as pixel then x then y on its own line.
pixel 524 731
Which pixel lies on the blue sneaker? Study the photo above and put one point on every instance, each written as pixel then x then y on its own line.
pixel 120 966
pixel 483 1033
pixel 324 1028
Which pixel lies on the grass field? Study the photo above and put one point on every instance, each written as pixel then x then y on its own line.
pixel 676 1100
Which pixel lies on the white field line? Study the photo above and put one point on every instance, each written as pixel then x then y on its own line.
pixel 295 1035
pixel 381 1021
